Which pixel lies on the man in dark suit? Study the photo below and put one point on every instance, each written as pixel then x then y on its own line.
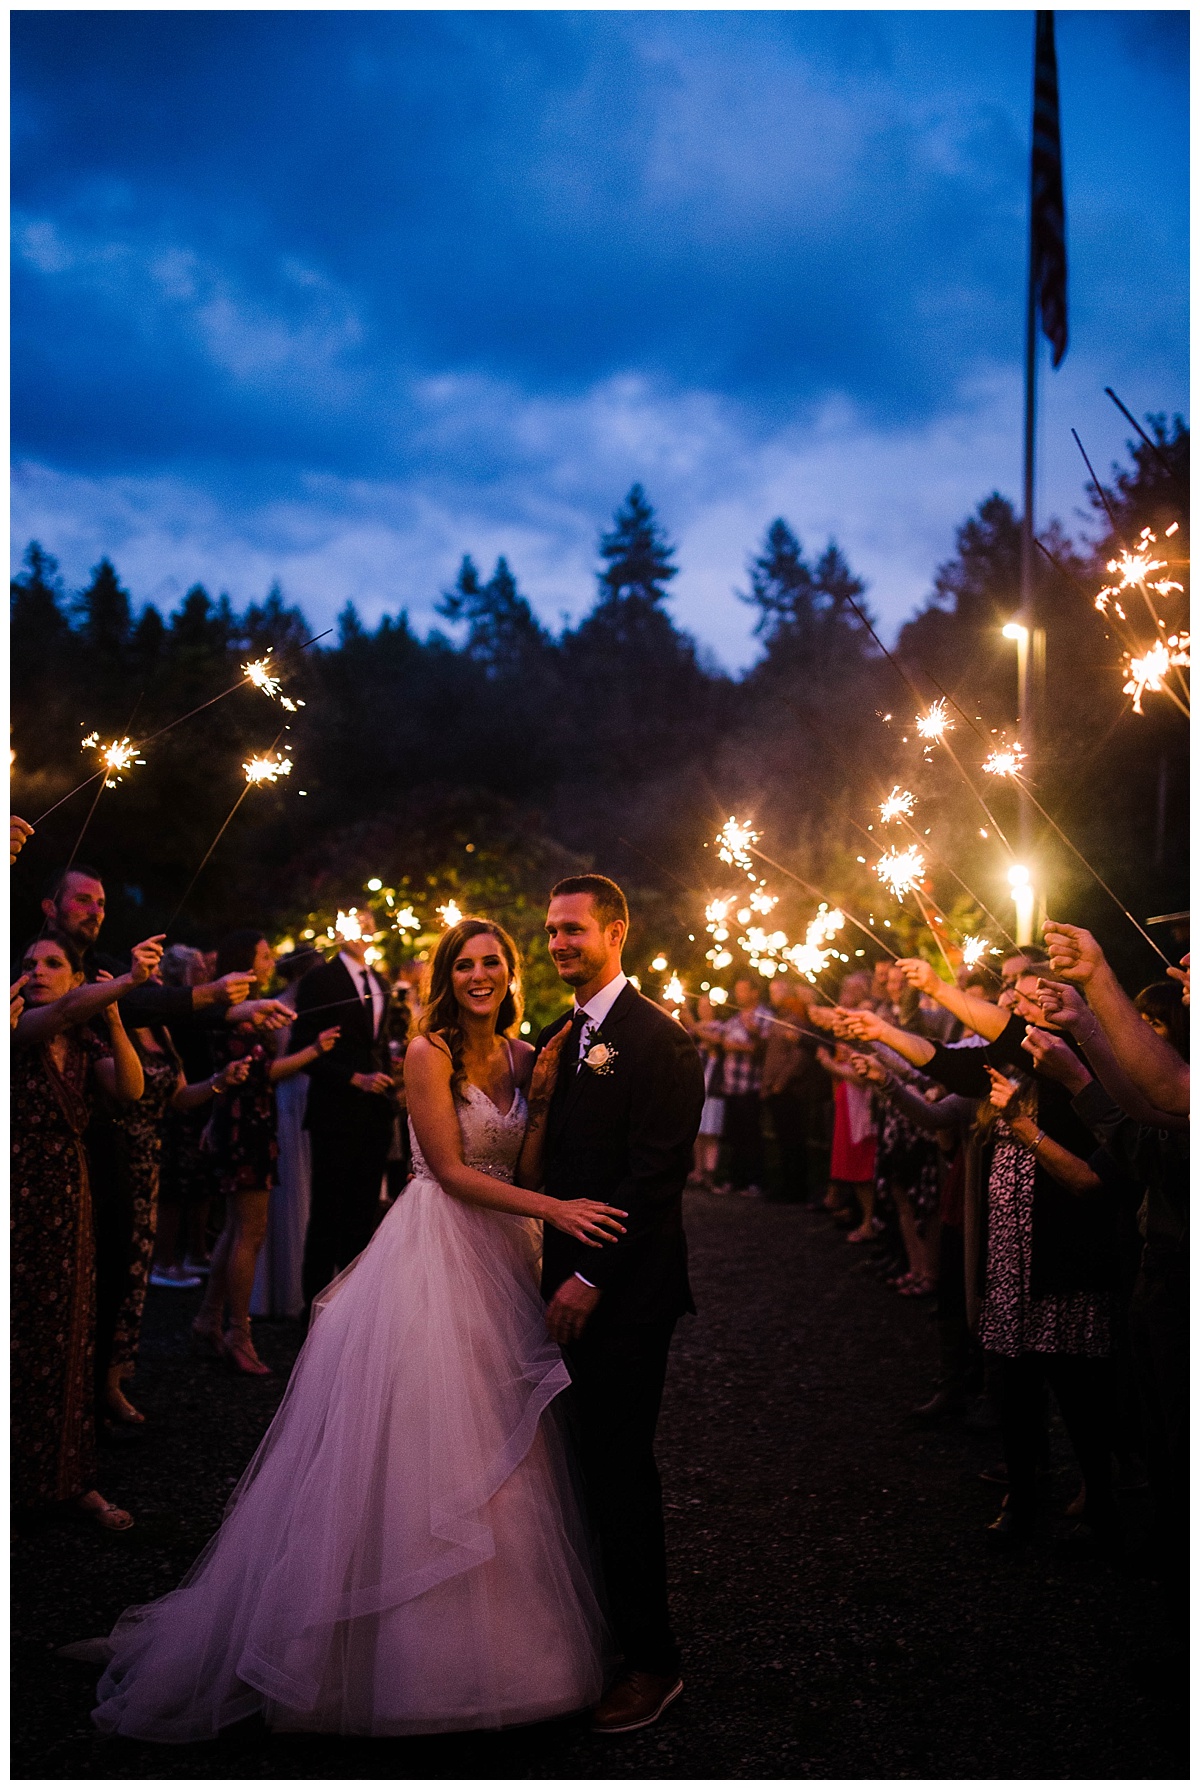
pixel 620 1128
pixel 350 1105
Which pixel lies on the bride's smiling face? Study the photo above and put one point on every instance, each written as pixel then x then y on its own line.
pixel 480 976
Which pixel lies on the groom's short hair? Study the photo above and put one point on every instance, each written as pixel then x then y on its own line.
pixel 607 899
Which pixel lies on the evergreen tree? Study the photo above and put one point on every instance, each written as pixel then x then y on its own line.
pixel 105 616
pixel 639 558
pixel 503 634
pixel 781 583
pixel 1147 494
pixel 39 626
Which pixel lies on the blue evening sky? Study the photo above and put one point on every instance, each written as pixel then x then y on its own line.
pixel 334 297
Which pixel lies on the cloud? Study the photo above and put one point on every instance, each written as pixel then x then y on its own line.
pixel 335 297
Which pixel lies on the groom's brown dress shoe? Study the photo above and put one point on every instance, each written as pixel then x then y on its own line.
pixel 635 1700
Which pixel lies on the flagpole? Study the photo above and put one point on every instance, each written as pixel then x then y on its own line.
pixel 1028 617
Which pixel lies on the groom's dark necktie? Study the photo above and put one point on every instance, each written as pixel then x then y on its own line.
pixel 579 1019
pixel 369 998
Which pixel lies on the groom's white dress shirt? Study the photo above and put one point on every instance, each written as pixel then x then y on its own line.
pixel 357 972
pixel 597 1011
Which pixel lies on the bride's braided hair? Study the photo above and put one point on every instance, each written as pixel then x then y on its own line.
pixel 442 1017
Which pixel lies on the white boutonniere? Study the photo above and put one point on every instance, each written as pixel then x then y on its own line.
pixel 600 1059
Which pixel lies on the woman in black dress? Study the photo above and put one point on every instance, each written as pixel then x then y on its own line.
pixel 242 1133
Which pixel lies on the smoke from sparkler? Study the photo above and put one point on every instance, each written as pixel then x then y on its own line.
pixel 267 769
pixel 901 871
pixel 900 802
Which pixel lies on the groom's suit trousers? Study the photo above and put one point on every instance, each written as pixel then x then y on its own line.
pixel 617 1371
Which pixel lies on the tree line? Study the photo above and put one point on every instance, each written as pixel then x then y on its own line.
pixel 484 759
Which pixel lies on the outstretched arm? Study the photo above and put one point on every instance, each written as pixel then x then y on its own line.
pixel 37 1024
pixel 976 1014
pixel 868 1028
pixel 1156 1070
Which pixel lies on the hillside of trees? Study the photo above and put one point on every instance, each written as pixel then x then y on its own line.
pixel 482 761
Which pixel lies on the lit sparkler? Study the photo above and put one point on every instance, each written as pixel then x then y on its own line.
pixel 974 951
pixel 899 804
pixel 406 921
pixel 734 842
pixel 1005 761
pixel 935 723
pixel 117 759
pixel 813 956
pixel 267 769
pixel 1147 671
pixel 762 903
pixel 901 871
pixel 348 926
pixel 450 914
pixel 259 673
pixel 673 991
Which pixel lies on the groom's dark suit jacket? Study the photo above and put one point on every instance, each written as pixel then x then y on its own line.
pixel 329 996
pixel 626 1138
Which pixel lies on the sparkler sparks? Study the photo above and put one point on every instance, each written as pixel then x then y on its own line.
pixel 673 991
pixel 762 903
pixel 900 803
pixel 117 759
pixel 1005 761
pixel 406 921
pixel 974 951
pixel 348 926
pixel 259 673
pixel 935 723
pixel 450 915
pixel 267 769
pixel 734 842
pixel 813 956
pixel 901 871
pixel 1147 671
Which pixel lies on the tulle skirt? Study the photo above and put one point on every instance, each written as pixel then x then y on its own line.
pixel 405 1553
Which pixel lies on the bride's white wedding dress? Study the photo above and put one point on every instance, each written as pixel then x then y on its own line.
pixel 405 1553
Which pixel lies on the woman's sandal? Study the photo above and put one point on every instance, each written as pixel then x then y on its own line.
pixel 863 1234
pixel 102 1513
pixel 917 1288
pixel 241 1354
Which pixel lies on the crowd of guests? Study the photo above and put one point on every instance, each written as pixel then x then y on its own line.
pixel 1013 1145
pixel 177 1123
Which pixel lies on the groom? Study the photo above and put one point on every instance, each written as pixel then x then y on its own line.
pixel 620 1128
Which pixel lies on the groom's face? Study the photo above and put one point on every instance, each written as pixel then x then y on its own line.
pixel 582 949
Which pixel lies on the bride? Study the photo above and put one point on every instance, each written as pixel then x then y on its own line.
pixel 406 1554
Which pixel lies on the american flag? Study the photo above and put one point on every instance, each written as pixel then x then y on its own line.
pixel 1048 236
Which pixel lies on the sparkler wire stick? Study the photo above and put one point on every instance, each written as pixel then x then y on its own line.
pixel 1095 874
pixel 813 890
pixel 932 930
pixel 1154 449
pixel 244 792
pixel 178 722
pixel 1101 493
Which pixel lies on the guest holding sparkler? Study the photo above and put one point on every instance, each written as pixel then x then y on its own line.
pixel 243 1132
pixel 1051 1250
pixel 852 1160
pixel 59 1066
pixel 742 1038
pixel 707 1148
pixel 187 1179
pixel 787 1071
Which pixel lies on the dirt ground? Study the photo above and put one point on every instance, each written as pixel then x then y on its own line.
pixel 839 1613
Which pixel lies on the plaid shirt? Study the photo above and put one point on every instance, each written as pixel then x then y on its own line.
pixel 743 1072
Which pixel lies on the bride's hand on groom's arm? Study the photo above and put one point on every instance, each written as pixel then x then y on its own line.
pixel 545 1070
pixel 588 1221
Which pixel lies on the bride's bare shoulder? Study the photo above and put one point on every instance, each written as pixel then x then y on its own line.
pixel 426 1050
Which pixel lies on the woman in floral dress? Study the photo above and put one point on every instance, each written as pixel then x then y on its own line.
pixel 58 1066
pixel 139 1129
pixel 242 1132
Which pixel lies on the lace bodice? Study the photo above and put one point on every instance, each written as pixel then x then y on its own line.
pixel 491 1139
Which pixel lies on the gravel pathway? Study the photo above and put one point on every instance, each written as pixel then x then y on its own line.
pixel 839 1614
